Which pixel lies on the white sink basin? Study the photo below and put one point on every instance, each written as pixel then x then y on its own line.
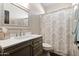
pixel 22 37
pixel 15 40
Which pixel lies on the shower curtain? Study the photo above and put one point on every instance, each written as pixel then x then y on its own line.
pixel 57 28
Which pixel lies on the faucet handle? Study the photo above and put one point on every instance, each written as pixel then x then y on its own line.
pixel 20 33
pixel 16 35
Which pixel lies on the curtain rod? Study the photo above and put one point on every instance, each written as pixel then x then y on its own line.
pixel 57 10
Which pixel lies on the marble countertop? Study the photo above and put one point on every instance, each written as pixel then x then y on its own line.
pixel 13 41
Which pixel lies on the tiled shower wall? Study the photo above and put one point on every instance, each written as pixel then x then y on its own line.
pixel 56 28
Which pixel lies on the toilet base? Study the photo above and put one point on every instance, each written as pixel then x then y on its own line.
pixel 46 53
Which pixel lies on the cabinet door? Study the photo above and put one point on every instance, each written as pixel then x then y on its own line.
pixel 25 51
pixel 21 49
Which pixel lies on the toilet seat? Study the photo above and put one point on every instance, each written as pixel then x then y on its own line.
pixel 47 46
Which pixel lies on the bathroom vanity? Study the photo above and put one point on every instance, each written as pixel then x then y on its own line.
pixel 23 46
pixel 15 21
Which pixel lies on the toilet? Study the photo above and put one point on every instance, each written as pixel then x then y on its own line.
pixel 47 47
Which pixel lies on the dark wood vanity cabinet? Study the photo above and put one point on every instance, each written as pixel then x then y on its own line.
pixel 25 51
pixel 21 49
pixel 28 48
pixel 37 47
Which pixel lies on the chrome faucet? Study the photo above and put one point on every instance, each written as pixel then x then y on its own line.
pixel 16 35
pixel 20 34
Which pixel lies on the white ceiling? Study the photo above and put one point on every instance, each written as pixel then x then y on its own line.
pixel 40 8
pixel 49 7
pixel 36 8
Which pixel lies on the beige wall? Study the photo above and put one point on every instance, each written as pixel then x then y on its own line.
pixel 35 23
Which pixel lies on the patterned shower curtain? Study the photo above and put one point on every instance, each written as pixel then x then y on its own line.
pixel 56 28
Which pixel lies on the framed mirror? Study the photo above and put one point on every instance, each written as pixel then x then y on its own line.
pixel 14 15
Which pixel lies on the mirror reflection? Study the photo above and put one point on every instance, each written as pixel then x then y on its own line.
pixel 14 15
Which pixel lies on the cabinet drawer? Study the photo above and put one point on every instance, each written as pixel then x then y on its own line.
pixel 38 50
pixel 37 44
pixel 37 40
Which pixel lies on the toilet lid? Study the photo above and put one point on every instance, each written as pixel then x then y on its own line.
pixel 46 45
